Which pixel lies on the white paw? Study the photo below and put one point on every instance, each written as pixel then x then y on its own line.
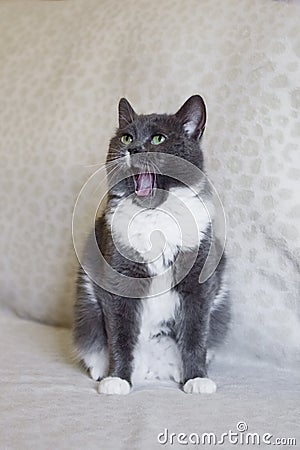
pixel 200 386
pixel 114 385
pixel 177 376
pixel 95 373
pixel 97 363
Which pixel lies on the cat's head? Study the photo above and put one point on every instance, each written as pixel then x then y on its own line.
pixel 141 138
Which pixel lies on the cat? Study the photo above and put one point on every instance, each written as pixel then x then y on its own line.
pixel 170 325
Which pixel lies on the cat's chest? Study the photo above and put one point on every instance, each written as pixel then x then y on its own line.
pixel 158 234
pixel 156 355
pixel 157 312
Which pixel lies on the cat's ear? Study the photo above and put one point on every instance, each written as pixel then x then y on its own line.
pixel 126 113
pixel 192 116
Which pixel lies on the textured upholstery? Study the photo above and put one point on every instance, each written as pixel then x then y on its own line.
pixel 64 66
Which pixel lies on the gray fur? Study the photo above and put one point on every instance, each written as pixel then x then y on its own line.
pixel 112 321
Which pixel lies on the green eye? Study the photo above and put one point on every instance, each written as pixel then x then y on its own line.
pixel 158 139
pixel 126 139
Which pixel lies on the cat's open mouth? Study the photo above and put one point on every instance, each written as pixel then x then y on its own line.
pixel 144 184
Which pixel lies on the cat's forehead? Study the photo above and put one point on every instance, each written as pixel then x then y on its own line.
pixel 150 123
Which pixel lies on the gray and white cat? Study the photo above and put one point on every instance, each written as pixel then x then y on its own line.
pixel 171 327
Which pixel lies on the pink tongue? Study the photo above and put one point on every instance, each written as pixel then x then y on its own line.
pixel 143 184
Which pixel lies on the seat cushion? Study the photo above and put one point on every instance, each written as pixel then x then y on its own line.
pixel 47 401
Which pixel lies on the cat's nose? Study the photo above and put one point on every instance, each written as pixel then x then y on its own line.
pixel 135 150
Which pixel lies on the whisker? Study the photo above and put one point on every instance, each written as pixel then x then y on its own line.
pixel 109 169
pixel 95 165
pixel 115 172
pixel 92 165
pixel 156 167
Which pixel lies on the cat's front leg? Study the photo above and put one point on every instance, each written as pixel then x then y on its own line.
pixel 192 341
pixel 122 332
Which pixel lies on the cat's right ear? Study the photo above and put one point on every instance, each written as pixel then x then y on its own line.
pixel 192 116
pixel 126 113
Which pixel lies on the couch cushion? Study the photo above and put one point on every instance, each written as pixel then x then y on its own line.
pixel 48 402
pixel 64 65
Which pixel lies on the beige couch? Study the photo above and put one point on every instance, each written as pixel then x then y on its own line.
pixel 64 66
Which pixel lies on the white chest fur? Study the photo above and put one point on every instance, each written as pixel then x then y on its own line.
pixel 157 235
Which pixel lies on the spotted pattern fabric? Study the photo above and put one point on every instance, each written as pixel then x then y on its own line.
pixel 64 66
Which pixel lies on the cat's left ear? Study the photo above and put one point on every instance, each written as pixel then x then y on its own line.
pixel 192 115
pixel 126 113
